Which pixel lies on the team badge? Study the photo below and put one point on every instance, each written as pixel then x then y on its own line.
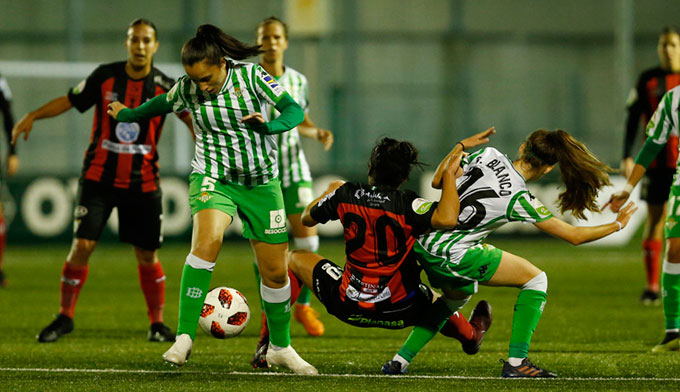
pixel 237 92
pixel 421 206
pixel 127 132
pixel 670 223
pixel 204 197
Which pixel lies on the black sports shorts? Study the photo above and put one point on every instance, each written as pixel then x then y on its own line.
pixel 656 185
pixel 326 279
pixel 139 214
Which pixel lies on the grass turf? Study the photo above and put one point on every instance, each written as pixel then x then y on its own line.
pixel 593 334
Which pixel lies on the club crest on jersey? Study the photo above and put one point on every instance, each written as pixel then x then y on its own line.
pixel 670 223
pixel 127 132
pixel 237 92
pixel 204 197
pixel 421 206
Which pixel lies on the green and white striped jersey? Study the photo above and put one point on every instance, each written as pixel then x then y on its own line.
pixel 293 167
pixel 491 193
pixel 225 148
pixel 665 122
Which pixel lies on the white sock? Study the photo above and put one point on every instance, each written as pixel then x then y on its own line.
pixel 515 361
pixel 404 363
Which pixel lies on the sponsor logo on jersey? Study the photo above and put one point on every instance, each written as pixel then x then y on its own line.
pixel 79 87
pixel 127 132
pixel 204 197
pixel 277 222
pixel 421 206
pixel 111 96
pixel 270 81
pixel 378 323
pixel 374 196
pixel 542 211
pixel 325 198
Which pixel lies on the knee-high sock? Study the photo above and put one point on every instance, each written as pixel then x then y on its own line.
pixel 424 332
pixel 458 327
pixel 193 289
pixel 72 280
pixel 276 304
pixel 652 253
pixel 670 287
pixel 311 244
pixel 152 280
pixel 295 286
pixel 528 311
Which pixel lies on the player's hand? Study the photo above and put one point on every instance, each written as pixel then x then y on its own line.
pixel 480 138
pixel 325 137
pixel 616 201
pixel 23 126
pixel 253 119
pixel 12 165
pixel 115 108
pixel 625 213
pixel 627 166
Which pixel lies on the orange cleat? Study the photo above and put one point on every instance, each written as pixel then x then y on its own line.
pixel 309 318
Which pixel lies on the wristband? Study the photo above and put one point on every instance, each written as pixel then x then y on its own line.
pixel 628 188
pixel 462 145
pixel 620 225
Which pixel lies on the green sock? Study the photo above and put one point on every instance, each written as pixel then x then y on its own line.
pixel 305 296
pixel 528 310
pixel 423 333
pixel 670 287
pixel 193 289
pixel 276 303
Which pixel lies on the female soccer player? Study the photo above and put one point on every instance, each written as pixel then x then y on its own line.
pixel 12 161
pixel 234 169
pixel 493 192
pixel 294 172
pixel 644 99
pixel 663 125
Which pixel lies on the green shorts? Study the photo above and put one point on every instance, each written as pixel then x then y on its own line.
pixel 672 228
pixel 297 196
pixel 478 265
pixel 260 207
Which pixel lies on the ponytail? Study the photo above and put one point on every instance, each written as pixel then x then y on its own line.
pixel 212 44
pixel 582 173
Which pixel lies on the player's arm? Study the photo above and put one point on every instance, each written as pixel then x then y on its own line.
pixel 577 235
pixel 8 120
pixel 472 141
pixel 53 108
pixel 291 114
pixel 306 217
pixel 308 129
pixel 445 216
pixel 156 106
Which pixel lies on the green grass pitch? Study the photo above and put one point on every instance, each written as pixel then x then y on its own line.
pixel 593 334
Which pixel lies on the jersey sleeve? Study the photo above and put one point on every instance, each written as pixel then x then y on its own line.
pixel 267 87
pixel 525 207
pixel 177 95
pixel 87 93
pixel 327 208
pixel 419 212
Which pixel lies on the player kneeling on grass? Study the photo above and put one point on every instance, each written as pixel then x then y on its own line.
pixel 380 285
pixel 493 192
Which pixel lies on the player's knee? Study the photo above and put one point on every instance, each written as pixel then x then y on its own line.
pixel 81 249
pixel 145 257
pixel 537 283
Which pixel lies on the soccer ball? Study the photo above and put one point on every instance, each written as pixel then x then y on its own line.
pixel 225 313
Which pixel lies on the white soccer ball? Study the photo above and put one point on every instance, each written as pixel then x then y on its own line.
pixel 225 313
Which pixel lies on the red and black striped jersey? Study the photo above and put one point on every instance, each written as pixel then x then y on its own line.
pixel 642 103
pixel 122 155
pixel 6 110
pixel 380 228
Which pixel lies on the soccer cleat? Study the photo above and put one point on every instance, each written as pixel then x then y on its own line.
pixel 3 279
pixel 60 326
pixel 526 369
pixel 288 358
pixel 480 320
pixel 259 360
pixel 160 332
pixel 309 318
pixel 179 353
pixel 671 342
pixel 393 368
pixel 650 297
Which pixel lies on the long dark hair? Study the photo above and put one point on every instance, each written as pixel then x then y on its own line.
pixel 391 162
pixel 582 173
pixel 212 44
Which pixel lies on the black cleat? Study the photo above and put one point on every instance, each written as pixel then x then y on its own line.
pixel 393 368
pixel 259 360
pixel 650 297
pixel 525 370
pixel 60 326
pixel 160 332
pixel 480 319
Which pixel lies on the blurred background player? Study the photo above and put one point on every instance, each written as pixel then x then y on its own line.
pixel 294 172
pixel 644 98
pixel 12 163
pixel 663 125
pixel 120 170
pixel 235 169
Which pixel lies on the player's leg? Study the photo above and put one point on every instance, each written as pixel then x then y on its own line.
pixel 515 271
pixel 652 246
pixel 469 333
pixel 3 242
pixel 90 216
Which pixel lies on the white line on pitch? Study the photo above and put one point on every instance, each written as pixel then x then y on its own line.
pixel 274 374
